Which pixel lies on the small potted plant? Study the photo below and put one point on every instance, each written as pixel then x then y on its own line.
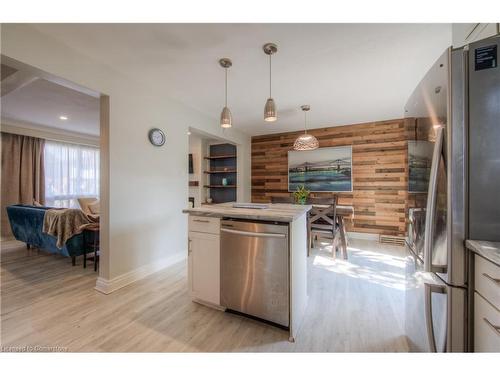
pixel 301 194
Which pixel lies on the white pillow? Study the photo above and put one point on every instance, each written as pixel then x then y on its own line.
pixel 84 204
pixel 95 208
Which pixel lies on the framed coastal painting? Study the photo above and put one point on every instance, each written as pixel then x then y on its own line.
pixel 419 160
pixel 327 169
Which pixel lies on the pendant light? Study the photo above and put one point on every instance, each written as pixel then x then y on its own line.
pixel 305 142
pixel 270 114
pixel 226 119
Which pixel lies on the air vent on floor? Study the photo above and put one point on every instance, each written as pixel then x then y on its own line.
pixel 392 240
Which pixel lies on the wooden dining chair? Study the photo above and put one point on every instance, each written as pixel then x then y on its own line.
pixel 322 220
pixel 281 199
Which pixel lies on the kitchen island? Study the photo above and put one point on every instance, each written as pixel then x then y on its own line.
pixel 251 261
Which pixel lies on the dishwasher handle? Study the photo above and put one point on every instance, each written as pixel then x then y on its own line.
pixel 254 234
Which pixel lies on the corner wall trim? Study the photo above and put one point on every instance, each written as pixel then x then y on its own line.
pixel 109 286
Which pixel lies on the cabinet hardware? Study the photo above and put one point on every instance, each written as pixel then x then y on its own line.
pixel 253 234
pixel 492 279
pixel 201 221
pixel 492 326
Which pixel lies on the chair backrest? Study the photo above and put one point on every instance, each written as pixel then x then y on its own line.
pixel 288 199
pixel 324 201
pixel 323 212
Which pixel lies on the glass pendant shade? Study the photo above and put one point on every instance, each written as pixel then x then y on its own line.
pixel 226 119
pixel 305 142
pixel 270 114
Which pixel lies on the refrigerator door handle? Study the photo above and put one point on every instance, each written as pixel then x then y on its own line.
pixel 431 200
pixel 429 289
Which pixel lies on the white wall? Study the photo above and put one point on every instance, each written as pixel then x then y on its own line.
pixel 148 185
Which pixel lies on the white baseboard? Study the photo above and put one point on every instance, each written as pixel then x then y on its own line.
pixel 109 286
pixel 363 236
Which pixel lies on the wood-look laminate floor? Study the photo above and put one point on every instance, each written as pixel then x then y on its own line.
pixel 354 306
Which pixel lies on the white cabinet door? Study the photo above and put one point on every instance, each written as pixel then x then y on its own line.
pixel 487 280
pixel 486 326
pixel 204 266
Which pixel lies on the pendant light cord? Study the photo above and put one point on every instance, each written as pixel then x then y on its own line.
pixel 305 122
pixel 270 76
pixel 226 88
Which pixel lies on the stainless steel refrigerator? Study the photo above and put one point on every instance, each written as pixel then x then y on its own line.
pixel 453 123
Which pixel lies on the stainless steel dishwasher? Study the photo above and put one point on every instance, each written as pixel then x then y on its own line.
pixel 254 269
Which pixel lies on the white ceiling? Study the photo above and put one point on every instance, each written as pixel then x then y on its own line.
pixel 41 102
pixel 348 73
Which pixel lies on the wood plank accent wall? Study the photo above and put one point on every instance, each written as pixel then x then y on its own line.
pixel 380 172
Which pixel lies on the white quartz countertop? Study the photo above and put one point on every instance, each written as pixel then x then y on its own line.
pixel 275 212
pixel 488 250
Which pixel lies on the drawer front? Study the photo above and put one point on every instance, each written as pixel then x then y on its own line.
pixel 486 326
pixel 204 224
pixel 487 280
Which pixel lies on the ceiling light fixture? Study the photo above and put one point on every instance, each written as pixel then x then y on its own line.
pixel 226 119
pixel 64 118
pixel 270 114
pixel 305 142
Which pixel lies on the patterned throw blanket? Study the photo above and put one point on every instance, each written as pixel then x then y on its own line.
pixel 64 223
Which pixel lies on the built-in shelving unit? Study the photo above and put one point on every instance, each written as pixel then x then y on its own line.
pixel 221 165
pixel 220 186
pixel 228 171
pixel 220 156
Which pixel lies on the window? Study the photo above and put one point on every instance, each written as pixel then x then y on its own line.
pixel 71 172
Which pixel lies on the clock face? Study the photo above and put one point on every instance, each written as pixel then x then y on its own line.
pixel 157 137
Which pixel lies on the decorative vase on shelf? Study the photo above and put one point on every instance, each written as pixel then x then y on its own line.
pixel 224 182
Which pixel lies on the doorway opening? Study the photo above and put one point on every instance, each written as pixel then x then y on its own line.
pixel 213 169
pixel 55 184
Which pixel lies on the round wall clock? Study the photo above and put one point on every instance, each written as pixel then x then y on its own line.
pixel 156 137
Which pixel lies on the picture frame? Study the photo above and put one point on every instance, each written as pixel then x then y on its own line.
pixel 326 169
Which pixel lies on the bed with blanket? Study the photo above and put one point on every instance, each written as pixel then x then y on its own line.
pixel 60 231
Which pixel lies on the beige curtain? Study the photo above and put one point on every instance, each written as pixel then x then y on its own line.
pixel 22 174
